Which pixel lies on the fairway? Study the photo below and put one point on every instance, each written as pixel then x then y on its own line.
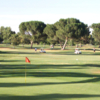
pixel 54 75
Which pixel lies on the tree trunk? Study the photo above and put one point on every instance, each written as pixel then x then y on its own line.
pixel 31 44
pixel 64 44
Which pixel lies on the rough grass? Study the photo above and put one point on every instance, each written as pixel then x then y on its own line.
pixel 55 75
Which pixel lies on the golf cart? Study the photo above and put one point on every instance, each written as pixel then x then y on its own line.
pixel 42 51
pixel 77 51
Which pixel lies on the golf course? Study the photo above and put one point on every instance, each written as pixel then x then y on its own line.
pixel 54 75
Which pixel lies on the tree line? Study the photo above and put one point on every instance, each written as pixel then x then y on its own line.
pixel 70 30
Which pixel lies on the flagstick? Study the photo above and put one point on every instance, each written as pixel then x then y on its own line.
pixel 25 73
pixel 28 61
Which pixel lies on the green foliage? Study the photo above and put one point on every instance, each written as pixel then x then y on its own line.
pixel 33 30
pixel 71 42
pixel 7 41
pixel 23 38
pixel 95 25
pixel 96 32
pixel 34 27
pixel 5 34
pixel 1 37
pixel 22 27
pixel 15 39
pixel 50 31
pixel 71 28
pixel 1 33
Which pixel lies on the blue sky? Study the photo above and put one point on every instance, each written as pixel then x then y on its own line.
pixel 13 12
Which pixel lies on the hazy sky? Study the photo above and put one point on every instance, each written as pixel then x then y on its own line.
pixel 13 12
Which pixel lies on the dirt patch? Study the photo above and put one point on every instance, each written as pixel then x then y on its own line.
pixel 96 72
pixel 5 48
pixel 8 49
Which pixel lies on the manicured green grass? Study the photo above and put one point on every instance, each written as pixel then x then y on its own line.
pixel 55 75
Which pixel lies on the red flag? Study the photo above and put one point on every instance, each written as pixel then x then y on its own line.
pixel 27 60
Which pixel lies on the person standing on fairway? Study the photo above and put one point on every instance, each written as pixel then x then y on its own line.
pixel 94 50
pixel 35 49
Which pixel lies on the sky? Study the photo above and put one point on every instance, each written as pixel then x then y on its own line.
pixel 14 12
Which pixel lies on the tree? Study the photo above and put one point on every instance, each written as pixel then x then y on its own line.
pixel 95 25
pixel 6 33
pixel 1 37
pixel 33 30
pixel 70 28
pixel 23 39
pixel 96 32
pixel 91 39
pixel 50 31
pixel 15 39
pixel 1 33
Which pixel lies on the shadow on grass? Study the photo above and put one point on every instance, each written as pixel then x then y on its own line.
pixel 44 66
pixel 48 97
pixel 72 53
pixel 47 83
pixel 48 52
pixel 20 73
pixel 17 52
pixel 19 70
pixel 10 60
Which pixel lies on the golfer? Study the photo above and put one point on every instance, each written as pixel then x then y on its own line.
pixel 94 50
pixel 35 49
